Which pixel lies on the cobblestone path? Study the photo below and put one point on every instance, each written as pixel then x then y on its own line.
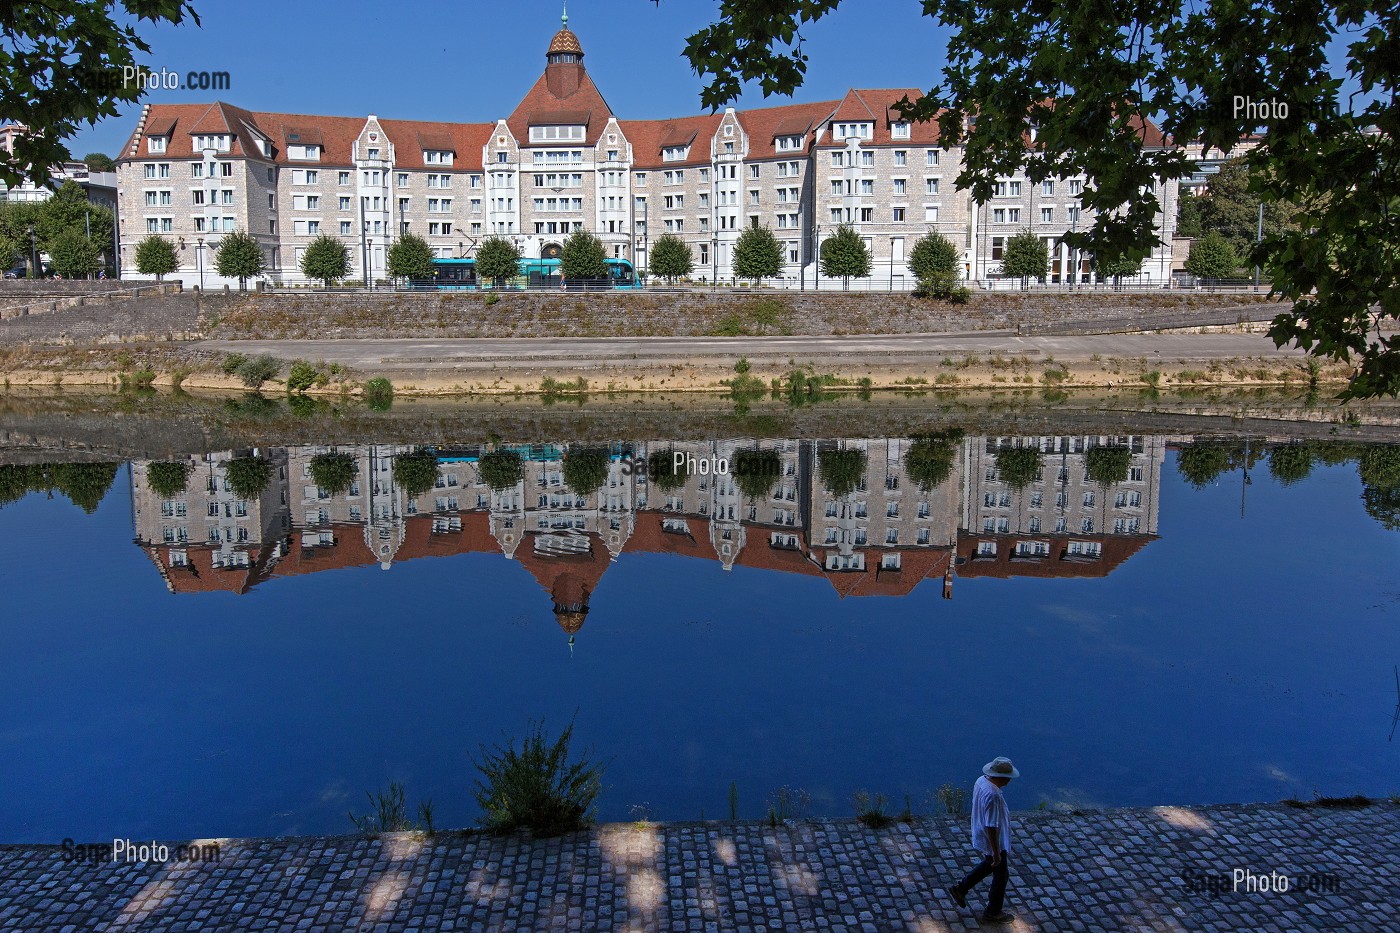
pixel 1132 869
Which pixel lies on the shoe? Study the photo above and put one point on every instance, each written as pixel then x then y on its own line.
pixel 958 897
pixel 1002 917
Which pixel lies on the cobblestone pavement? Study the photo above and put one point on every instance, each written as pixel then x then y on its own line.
pixel 1105 870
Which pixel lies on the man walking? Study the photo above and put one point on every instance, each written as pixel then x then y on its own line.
pixel 991 835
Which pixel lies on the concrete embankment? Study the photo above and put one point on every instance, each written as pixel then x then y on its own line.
pixel 1262 867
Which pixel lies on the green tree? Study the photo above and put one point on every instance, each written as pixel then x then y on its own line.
pixel 670 257
pixel 930 460
pixel 416 472
pixel 841 470
pixel 56 68
pixel 501 469
pixel 168 478
pixel 73 255
pixel 497 260
pixel 1120 268
pixel 248 477
pixel 756 471
pixel 1108 464
pixel 70 211
pixel 99 162
pixel 1228 207
pixel 327 259
pixel 16 219
pixel 156 255
pixel 844 255
pixel 11 249
pixel 583 257
pixel 585 469
pixel 85 484
pixel 238 256
pixel 1211 257
pixel 757 254
pixel 934 258
pixel 1027 257
pixel 1379 468
pixel 1083 77
pixel 410 257
pixel 1202 464
pixel 333 471
pixel 1291 463
pixel 254 372
pixel 1018 467
pixel 662 471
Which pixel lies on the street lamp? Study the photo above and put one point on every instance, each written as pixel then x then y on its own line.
pixel 891 264
pixel 199 255
pixel 33 253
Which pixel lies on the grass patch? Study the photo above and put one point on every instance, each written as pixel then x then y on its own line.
pixel 539 787
pixel 389 813
pixel 873 810
pixel 1320 802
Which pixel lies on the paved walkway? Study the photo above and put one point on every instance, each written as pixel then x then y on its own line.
pixel 487 353
pixel 1110 870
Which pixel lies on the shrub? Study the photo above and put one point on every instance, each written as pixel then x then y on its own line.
pixel 873 811
pixel 238 256
pixel 756 472
pixel 325 258
pixel 841 470
pixel 389 813
pixel 232 363
pixel 934 256
pixel 583 256
pixel 1027 257
pixel 670 257
pixel 1019 466
pixel 302 377
pixel 844 255
pixel 1108 464
pixel 497 259
pixel 491 299
pixel 929 461
pixel 333 472
pixel 501 469
pixel 539 787
pixel 1211 257
pixel 248 477
pixel 379 393
pixel 168 479
pixel 409 258
pixel 258 370
pixel 663 473
pixel 155 255
pixel 757 254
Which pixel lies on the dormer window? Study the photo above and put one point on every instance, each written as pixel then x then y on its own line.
pixel 674 153
pixel 306 153
pixel 551 134
pixel 219 143
pixel 155 143
pixel 789 143
pixel 899 130
pixel 854 131
pixel 437 157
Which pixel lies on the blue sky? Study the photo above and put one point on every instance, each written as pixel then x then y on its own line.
pixel 473 61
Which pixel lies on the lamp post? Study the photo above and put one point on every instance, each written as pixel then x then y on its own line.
pixel 1258 238
pixel 199 256
pixel 33 254
pixel 891 265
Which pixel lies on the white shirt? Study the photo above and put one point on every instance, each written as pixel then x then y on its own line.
pixel 989 812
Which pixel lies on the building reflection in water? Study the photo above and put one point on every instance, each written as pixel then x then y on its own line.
pixel 857 512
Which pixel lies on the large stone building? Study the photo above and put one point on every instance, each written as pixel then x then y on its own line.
pixel 563 161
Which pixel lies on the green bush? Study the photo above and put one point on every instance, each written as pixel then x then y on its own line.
pixel 539 787
pixel 379 393
pixel 756 472
pixel 258 370
pixel 1019 466
pixel 585 469
pixel 333 472
pixel 501 469
pixel 302 377
pixel 663 473
pixel 841 470
pixel 233 363
pixel 248 477
pixel 930 460
pixel 416 472
pixel 1108 464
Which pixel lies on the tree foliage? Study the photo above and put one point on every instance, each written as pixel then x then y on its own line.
pixel 501 469
pixel 671 257
pixel 70 212
pixel 1027 257
pixel 662 471
pixel 1228 207
pixel 156 255
pixel 1202 464
pixel 1018 467
pixel 540 787
pixel 325 258
pixel 844 255
pixel 841 470
pixel 168 478
pixel 1291 463
pixel 99 162
pixel 585 469
pixel 930 460
pixel 73 255
pixel 583 256
pixel 56 68
pixel 757 254
pixel 416 472
pixel 1108 465
pixel 1086 77
pixel 497 260
pixel 248 477
pixel 238 256
pixel 410 257
pixel 1212 257
pixel 257 370
pixel 334 471
pixel 85 484
pixel 934 257
pixel 756 471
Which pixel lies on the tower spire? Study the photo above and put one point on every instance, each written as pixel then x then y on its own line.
pixel 565 18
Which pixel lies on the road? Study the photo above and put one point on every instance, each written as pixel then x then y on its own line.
pixel 545 352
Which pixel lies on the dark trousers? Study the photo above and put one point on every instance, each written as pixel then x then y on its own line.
pixel 1000 872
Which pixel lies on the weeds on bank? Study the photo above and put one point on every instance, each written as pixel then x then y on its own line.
pixel 379 394
pixel 873 811
pixel 389 813
pixel 788 803
pixel 1320 802
pixel 953 799
pixel 540 787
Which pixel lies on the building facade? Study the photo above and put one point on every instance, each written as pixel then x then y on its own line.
pixel 562 161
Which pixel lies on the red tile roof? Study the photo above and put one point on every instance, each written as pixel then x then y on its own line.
pixel 649 137
pixel 876 105
pixel 649 537
pixel 199 575
pixel 1058 563
pixel 564 95
pixel 915 566
pixel 765 124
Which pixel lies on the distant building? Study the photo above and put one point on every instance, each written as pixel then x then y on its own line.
pixel 101 187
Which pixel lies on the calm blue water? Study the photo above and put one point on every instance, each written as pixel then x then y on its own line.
pixel 1229 659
